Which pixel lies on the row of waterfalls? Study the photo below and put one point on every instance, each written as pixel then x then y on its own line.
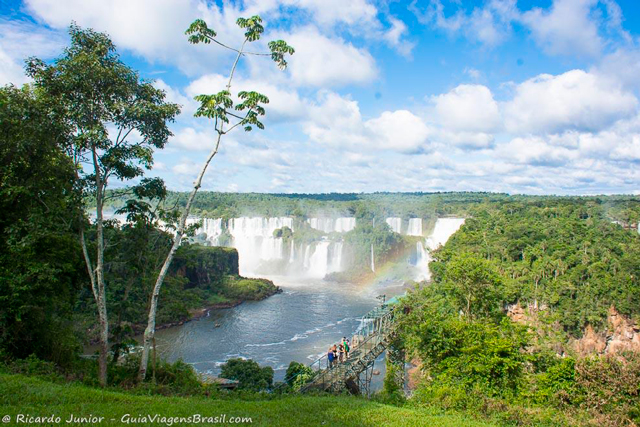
pixel 262 252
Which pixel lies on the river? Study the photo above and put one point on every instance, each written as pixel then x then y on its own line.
pixel 298 324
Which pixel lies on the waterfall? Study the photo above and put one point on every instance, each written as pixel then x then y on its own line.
pixel 415 227
pixel 395 224
pixel 319 260
pixel 253 238
pixel 333 225
pixel 373 263
pixel 261 253
pixel 422 263
pixel 292 253
pixel 335 263
pixel 442 230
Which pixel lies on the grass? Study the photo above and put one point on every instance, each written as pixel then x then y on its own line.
pixel 21 394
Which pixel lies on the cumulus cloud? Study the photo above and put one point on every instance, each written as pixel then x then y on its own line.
pixel 568 27
pixel 337 121
pixel 151 29
pixel 467 108
pixel 323 61
pixel 572 100
pixel 190 139
pixel 535 151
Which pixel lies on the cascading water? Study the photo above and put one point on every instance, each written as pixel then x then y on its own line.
pixel 333 225
pixel 211 227
pixel 262 253
pixel 395 224
pixel 415 227
pixel 254 240
pixel 422 263
pixel 442 230
pixel 373 263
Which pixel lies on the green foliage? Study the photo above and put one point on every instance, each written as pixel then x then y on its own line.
pixel 474 286
pixel 279 48
pixel 253 27
pixel 285 233
pixel 611 385
pixel 249 289
pixel 41 267
pixel 199 32
pixel 97 90
pixel 563 255
pixel 298 374
pixel 392 392
pixel 250 375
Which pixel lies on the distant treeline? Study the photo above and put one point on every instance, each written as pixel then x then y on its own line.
pixel 624 208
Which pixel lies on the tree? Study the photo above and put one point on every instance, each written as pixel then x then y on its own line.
pixel 40 258
pixel 474 286
pixel 248 373
pixel 220 108
pixel 116 121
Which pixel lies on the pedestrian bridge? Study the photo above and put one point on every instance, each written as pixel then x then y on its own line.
pixel 374 336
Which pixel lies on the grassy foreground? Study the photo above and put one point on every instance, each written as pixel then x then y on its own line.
pixel 36 397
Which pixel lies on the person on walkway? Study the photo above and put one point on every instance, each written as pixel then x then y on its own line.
pixel 331 357
pixel 341 352
pixel 345 342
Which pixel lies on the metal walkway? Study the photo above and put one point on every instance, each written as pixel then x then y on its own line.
pixel 369 342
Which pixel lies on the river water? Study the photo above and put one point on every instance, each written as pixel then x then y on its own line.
pixel 299 324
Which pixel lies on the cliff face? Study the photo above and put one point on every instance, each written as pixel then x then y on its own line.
pixel 205 267
pixel 621 335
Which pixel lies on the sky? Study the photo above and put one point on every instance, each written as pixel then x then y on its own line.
pixel 534 97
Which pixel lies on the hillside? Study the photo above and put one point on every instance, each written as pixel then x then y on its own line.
pixel 28 395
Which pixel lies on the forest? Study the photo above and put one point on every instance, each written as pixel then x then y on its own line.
pixel 568 266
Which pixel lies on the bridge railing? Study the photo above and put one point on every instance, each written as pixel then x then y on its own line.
pixel 371 333
pixel 375 321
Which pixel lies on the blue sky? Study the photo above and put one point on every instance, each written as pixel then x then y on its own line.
pixel 538 97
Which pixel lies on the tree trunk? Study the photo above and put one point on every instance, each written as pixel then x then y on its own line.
pixel 101 299
pixel 149 333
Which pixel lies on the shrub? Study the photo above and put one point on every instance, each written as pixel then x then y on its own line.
pixel 250 375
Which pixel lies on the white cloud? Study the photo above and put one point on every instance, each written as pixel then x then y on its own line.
pixel 10 70
pixel 535 151
pixel 394 37
pixel 186 167
pixel 573 100
pixel 467 108
pixel 321 61
pixel 623 66
pixel 337 121
pixel 20 40
pixel 149 28
pixel 489 25
pixel 190 139
pixel 567 28
pixel 398 130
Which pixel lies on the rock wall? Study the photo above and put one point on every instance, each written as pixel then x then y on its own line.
pixel 621 335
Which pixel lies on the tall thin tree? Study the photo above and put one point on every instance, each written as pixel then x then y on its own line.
pixel 219 107
pixel 116 121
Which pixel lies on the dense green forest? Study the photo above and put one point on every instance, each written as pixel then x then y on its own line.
pixel 567 264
